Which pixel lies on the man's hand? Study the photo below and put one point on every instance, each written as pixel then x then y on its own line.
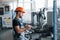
pixel 27 27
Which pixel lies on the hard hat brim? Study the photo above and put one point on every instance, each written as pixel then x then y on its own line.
pixel 20 11
pixel 23 11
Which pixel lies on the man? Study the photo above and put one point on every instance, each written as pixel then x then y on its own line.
pixel 18 24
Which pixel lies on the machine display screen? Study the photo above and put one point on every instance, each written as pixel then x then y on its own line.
pixel 1 11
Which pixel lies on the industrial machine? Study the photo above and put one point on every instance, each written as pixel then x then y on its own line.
pixel 6 16
pixel 40 28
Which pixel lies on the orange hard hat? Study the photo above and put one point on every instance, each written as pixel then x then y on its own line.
pixel 19 9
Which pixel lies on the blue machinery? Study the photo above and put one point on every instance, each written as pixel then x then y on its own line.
pixel 54 20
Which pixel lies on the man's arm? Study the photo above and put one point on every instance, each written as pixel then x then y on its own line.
pixel 19 30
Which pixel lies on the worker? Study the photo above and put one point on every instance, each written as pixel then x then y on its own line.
pixel 18 25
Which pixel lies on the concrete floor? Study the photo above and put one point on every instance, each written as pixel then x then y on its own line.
pixel 7 35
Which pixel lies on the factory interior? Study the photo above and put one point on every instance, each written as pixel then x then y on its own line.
pixel 42 15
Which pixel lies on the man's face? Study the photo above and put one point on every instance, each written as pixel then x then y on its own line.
pixel 20 14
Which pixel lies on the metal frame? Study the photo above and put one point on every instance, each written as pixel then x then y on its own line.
pixel 54 20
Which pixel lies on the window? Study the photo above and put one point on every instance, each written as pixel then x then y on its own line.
pixel 27 0
pixel 20 0
pixel 20 4
pixel 40 4
pixel 14 5
pixel 27 6
pixel 58 3
pixel 50 3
